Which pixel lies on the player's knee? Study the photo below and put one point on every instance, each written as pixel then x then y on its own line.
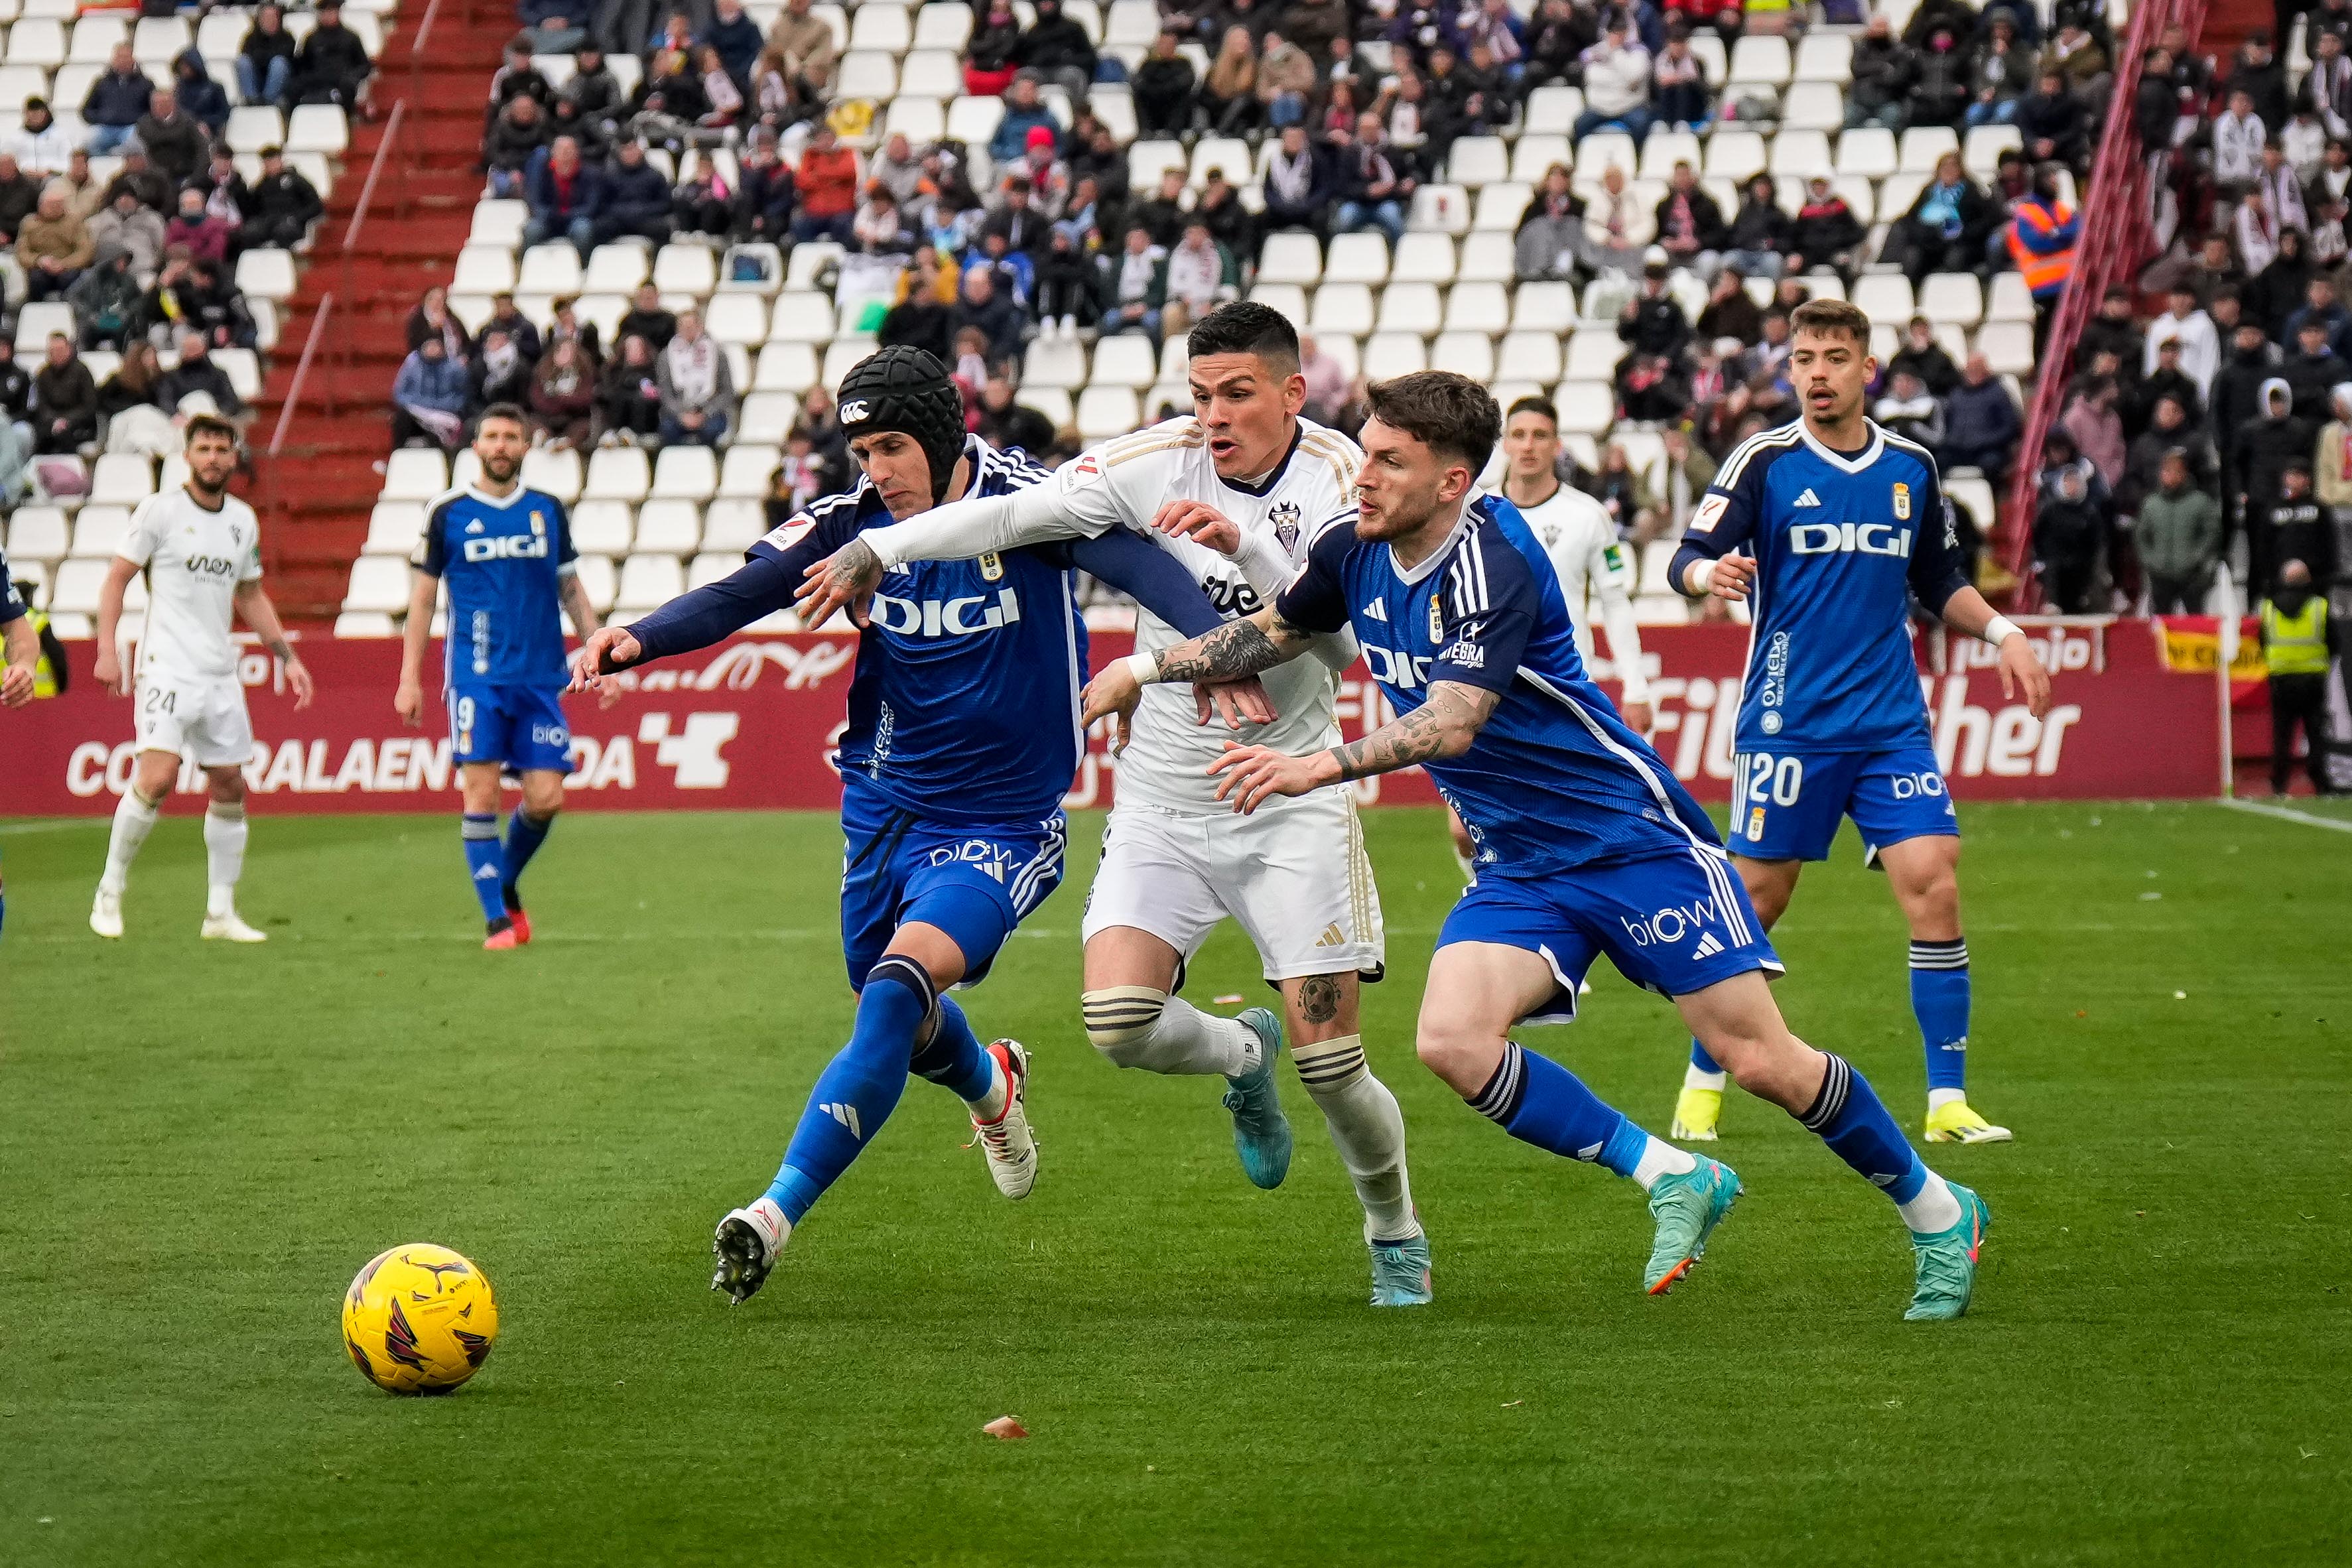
pixel 1450 1046
pixel 543 800
pixel 1120 1018
pixel 895 969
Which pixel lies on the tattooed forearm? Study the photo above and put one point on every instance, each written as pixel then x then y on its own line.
pixel 577 605
pixel 281 649
pixel 1442 727
pixel 1235 649
pixel 853 565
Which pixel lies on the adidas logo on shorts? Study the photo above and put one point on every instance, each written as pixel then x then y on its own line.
pixel 1707 946
pixel 1332 936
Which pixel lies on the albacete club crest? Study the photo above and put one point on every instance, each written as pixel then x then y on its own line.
pixel 1286 518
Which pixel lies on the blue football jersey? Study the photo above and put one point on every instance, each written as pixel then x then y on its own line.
pixel 963 706
pixel 1555 781
pixel 1840 543
pixel 11 603
pixel 504 562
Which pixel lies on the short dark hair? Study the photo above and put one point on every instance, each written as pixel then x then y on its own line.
pixel 1448 412
pixel 206 424
pixel 509 411
pixel 1833 317
pixel 1542 406
pixel 1244 327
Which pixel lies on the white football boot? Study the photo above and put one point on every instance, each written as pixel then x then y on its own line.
pixel 106 913
pixel 226 926
pixel 1011 1151
pixel 746 1246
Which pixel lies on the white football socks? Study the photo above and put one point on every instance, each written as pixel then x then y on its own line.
pixel 225 834
pixel 1138 1027
pixel 1661 1159
pixel 1934 1209
pixel 133 819
pixel 1367 1129
pixel 1696 1076
pixel 1939 1098
pixel 990 1106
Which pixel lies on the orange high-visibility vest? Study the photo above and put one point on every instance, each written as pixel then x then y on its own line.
pixel 2041 272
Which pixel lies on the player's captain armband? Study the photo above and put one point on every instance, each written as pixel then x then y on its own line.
pixel 1710 513
pixel 789 532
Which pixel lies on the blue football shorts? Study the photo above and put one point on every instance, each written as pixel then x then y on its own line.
pixel 520 726
pixel 1787 807
pixel 1672 922
pixel 974 883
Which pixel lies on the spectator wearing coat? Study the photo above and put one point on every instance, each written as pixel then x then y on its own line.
pixel 116 97
pixel 280 206
pixel 195 226
pixel 1299 183
pixel 201 98
pixel 428 397
pixel 2178 534
pixel 264 61
pixel 697 389
pixel 65 399
pixel 1981 422
pixel 135 230
pixel 826 180
pixel 174 143
pixel 332 65
pixel 1884 71
pixel 566 197
pixel 1056 47
pixel 53 246
pixel 636 198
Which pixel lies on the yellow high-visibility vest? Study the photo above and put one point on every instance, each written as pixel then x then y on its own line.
pixel 2296 645
pixel 44 676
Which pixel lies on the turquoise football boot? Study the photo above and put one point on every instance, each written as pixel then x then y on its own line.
pixel 1261 1131
pixel 1688 1208
pixel 1946 1261
pixel 1400 1273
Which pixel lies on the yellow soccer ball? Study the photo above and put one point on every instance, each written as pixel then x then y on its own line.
pixel 419 1319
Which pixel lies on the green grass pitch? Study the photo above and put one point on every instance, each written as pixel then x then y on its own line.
pixel 199 1145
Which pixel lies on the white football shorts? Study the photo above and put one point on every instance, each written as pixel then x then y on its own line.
pixel 1293 874
pixel 206 717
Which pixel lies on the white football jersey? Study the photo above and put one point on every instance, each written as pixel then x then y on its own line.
pixel 1127 480
pixel 1596 576
pixel 194 561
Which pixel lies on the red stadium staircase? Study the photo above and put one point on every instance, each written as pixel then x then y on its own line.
pixel 2117 243
pixel 399 212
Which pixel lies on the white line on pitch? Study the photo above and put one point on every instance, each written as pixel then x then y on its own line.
pixel 2288 814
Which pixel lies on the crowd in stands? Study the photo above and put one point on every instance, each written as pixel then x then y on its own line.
pixel 2215 432
pixel 124 219
pixel 2180 440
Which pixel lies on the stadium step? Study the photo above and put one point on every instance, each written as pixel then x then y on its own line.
pixel 323 483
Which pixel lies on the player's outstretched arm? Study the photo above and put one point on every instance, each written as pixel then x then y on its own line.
pixel 1156 579
pixel 1234 651
pixel 958 531
pixel 760 586
pixel 253 603
pixel 1443 726
pixel 2020 668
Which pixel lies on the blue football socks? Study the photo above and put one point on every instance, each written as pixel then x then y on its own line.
pixel 1538 1102
pixel 1852 1121
pixel 1701 1061
pixel 1939 1000
pixel 480 830
pixel 525 833
pixel 953 1058
pixel 858 1088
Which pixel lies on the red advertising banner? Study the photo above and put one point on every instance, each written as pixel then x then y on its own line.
pixel 751 723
